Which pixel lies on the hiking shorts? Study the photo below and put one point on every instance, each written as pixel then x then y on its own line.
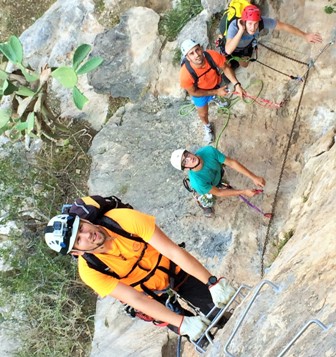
pixel 202 101
pixel 244 52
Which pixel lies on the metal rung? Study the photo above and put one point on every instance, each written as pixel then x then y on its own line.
pixel 304 328
pixel 262 283
pixel 217 317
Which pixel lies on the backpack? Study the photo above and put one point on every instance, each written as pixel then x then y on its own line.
pixel 93 209
pixel 232 13
pixel 195 77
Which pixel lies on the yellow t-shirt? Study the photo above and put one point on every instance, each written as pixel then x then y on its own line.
pixel 123 254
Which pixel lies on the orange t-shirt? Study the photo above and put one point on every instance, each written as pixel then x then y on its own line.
pixel 123 254
pixel 207 81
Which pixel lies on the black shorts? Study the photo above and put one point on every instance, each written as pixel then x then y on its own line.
pixel 245 52
pixel 194 291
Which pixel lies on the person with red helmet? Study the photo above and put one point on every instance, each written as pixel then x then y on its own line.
pixel 242 34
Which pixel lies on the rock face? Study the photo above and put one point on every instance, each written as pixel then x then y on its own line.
pixel 130 158
pixel 304 271
pixel 129 66
pixel 53 39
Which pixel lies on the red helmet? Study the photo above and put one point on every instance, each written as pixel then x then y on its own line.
pixel 251 13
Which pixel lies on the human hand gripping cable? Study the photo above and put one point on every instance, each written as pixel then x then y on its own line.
pixel 221 292
pixel 240 90
pixel 313 37
pixel 193 326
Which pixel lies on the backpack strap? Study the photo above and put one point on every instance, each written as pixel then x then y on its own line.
pixel 186 184
pixel 261 25
pixel 192 72
pixel 113 226
pixel 95 263
pixel 211 62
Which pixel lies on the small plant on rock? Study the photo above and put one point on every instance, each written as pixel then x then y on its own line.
pixel 174 20
pixel 28 114
pixel 330 9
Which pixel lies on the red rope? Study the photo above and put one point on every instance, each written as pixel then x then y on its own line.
pixel 265 103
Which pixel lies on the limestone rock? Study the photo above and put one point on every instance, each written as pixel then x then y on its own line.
pixel 52 40
pixel 120 6
pixel 131 53
pixel 196 29
pixel 214 6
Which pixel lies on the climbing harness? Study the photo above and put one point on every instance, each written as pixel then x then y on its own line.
pixel 210 203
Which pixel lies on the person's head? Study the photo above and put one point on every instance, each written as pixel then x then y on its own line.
pixel 70 234
pixel 183 159
pixel 192 51
pixel 251 16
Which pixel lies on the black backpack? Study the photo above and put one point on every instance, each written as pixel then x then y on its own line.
pixel 93 209
pixel 210 60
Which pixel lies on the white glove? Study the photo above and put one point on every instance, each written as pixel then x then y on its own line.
pixel 221 292
pixel 194 326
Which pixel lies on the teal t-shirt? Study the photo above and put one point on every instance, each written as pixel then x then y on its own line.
pixel 210 175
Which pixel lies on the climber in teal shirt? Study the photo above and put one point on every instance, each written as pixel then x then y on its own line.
pixel 210 174
pixel 206 171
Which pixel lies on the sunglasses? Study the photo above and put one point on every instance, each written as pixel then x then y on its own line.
pixel 186 155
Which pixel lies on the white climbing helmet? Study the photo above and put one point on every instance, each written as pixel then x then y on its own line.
pixel 187 45
pixel 176 158
pixel 61 232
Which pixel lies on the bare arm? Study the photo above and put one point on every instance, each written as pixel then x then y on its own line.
pixel 228 192
pixel 179 256
pixel 145 304
pixel 230 74
pixel 309 37
pixel 235 165
pixel 232 43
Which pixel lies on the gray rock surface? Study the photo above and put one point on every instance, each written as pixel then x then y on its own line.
pixel 130 158
pixel 131 53
pixel 196 29
pixel 52 40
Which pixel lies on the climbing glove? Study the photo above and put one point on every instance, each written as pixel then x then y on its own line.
pixel 221 292
pixel 193 326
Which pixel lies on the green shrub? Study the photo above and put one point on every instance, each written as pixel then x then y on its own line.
pixel 49 306
pixel 330 9
pixel 174 20
pixel 45 300
pixel 29 114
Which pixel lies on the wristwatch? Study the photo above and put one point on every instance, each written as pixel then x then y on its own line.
pixel 212 280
